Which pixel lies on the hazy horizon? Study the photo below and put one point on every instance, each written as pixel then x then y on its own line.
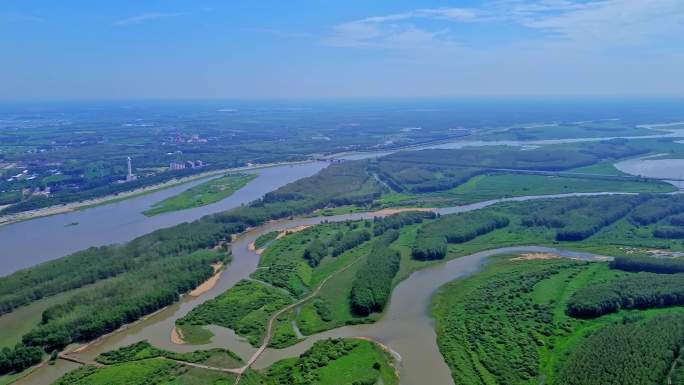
pixel 76 50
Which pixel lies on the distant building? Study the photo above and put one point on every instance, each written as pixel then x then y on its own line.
pixel 176 165
pixel 181 165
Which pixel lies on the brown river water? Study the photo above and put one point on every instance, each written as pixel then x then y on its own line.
pixel 406 327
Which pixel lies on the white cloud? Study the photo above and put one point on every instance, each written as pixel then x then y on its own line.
pixel 145 17
pixel 590 22
pixel 626 21
pixel 397 30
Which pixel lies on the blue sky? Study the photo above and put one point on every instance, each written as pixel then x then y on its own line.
pixel 339 49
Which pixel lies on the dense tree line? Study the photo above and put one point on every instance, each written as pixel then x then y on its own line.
pixel 658 208
pixel 676 220
pixel 119 301
pixel 421 178
pixel 631 353
pixel 442 169
pixel 317 249
pixel 372 283
pixel 576 219
pixel 639 291
pixel 349 240
pixel 648 264
pixel 19 358
pixel 97 263
pixel 315 252
pixel 338 184
pixel 669 232
pixel 432 238
pixel 397 221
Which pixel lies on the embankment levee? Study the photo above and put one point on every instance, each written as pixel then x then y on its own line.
pixel 67 207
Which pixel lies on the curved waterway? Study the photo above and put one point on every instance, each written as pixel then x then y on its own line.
pixel 28 243
pixel 672 169
pixel 406 327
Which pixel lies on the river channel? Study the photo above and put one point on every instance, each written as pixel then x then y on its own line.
pixel 406 327
pixel 28 243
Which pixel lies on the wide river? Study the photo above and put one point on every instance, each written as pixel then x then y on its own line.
pixel 406 327
pixel 28 243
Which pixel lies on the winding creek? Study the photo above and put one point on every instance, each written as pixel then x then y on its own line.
pixel 406 327
pixel 28 243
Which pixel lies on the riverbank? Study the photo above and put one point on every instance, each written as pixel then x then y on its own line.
pixel 422 341
pixel 68 207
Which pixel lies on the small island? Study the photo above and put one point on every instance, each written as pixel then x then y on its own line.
pixel 203 194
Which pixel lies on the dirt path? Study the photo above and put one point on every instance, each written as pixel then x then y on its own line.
pixel 237 371
pixel 274 317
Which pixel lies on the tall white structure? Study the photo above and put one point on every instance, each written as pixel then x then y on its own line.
pixel 130 176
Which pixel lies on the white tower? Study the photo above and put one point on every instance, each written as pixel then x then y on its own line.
pixel 130 176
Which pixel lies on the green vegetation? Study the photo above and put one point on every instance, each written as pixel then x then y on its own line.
pixel 77 270
pixel 329 362
pixel 577 219
pixel 143 350
pixel 80 152
pixel 245 308
pixel 589 129
pixel 151 271
pixel 456 228
pixel 653 265
pixel 627 354
pixel 204 194
pixel 265 239
pixel 498 185
pixel 508 325
pixel 372 285
pixel 194 334
pixel 130 373
pixel 335 362
pixel 657 209
pixel 119 301
pixel 641 291
pixel 298 261
pixel 19 358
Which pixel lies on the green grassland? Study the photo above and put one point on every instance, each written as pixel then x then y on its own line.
pixel 333 362
pixel 495 186
pixel 622 237
pixel 203 194
pixel 329 362
pixel 282 263
pixel 508 324
pixel 590 129
pixel 265 239
pixel 245 308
